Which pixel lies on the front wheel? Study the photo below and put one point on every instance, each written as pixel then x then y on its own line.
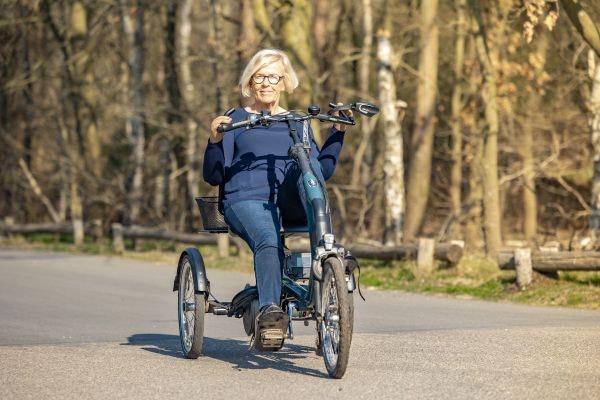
pixel 190 311
pixel 336 326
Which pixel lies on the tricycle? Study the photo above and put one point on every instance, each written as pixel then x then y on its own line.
pixel 316 286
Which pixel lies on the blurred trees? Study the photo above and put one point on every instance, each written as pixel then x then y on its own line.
pixel 105 106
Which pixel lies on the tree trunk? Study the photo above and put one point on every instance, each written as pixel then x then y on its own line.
pixel 296 38
pixel 248 38
pixel 419 174
pixel 162 201
pixel 393 153
pixel 366 125
pixel 25 12
pixel 530 205
pixel 457 106
pixel 86 93
pixel 489 164
pixel 594 105
pixel 134 35
pixel 220 98
pixel 583 23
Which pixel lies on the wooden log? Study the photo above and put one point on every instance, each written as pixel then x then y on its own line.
pixel 141 232
pixel 51 227
pixel 523 267
pixel 556 261
pixel 450 252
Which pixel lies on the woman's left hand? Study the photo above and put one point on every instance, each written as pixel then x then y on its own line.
pixel 347 114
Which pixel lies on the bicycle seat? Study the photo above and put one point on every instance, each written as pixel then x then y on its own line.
pixel 293 225
pixel 294 229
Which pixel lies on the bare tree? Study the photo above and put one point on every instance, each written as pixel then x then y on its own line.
pixel 134 35
pixel 419 174
pixel 457 107
pixel 489 162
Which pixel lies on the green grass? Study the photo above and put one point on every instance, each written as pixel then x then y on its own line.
pixel 479 278
pixel 473 277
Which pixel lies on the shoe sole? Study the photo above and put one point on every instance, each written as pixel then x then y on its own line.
pixel 270 331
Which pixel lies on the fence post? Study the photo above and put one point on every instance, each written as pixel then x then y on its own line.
pixel 223 245
pixel 425 252
pixel 523 267
pixel 9 221
pixel 117 234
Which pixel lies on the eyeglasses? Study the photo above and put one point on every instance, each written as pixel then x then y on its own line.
pixel 273 79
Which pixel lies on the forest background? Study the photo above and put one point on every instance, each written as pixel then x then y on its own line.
pixel 489 128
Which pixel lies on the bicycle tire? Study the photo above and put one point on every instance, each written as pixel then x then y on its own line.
pixel 191 309
pixel 336 324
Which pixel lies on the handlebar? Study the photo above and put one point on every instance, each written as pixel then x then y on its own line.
pixel 313 113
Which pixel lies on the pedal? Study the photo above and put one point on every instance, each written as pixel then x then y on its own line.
pixel 271 338
pixel 219 311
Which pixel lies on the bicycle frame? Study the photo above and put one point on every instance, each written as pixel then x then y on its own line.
pixel 318 215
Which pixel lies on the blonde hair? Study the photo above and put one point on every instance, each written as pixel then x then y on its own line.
pixel 262 59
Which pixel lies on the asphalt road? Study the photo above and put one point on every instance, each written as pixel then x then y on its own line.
pixel 91 327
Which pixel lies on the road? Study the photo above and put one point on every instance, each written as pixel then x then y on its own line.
pixel 97 327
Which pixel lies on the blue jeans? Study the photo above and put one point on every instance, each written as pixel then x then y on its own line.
pixel 259 224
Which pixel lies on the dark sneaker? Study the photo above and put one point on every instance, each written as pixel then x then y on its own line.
pixel 271 327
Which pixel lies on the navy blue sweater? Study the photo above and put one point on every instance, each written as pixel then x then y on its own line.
pixel 251 164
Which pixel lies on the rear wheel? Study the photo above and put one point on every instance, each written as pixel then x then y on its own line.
pixel 336 326
pixel 191 312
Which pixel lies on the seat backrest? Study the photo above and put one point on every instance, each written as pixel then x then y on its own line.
pixel 294 228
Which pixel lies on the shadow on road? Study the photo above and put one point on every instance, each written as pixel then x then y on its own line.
pixel 235 352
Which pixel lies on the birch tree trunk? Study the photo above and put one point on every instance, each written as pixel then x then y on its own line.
pixel 393 154
pixel 134 34
pixel 489 164
pixel 419 174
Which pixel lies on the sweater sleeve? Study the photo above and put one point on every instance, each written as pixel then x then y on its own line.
pixel 213 168
pixel 329 154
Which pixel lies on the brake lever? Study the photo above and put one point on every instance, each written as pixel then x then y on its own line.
pixel 334 108
pixel 364 108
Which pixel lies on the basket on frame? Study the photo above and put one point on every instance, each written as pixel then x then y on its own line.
pixel 212 219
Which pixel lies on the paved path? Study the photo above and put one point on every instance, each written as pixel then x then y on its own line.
pixel 104 327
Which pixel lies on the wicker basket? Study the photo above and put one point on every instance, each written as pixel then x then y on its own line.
pixel 212 219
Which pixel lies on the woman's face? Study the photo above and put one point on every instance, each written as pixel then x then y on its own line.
pixel 263 88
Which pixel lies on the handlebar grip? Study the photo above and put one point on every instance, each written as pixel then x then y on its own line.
pixel 224 128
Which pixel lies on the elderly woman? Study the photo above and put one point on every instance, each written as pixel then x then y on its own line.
pixel 257 178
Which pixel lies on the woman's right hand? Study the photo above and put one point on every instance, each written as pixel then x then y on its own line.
pixel 215 136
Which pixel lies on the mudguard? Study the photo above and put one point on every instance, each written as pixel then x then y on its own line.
pixel 201 282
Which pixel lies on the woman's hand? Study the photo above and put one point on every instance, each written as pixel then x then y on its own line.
pixel 347 113
pixel 215 136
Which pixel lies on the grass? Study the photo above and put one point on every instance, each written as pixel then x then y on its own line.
pixel 472 278
pixel 480 278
